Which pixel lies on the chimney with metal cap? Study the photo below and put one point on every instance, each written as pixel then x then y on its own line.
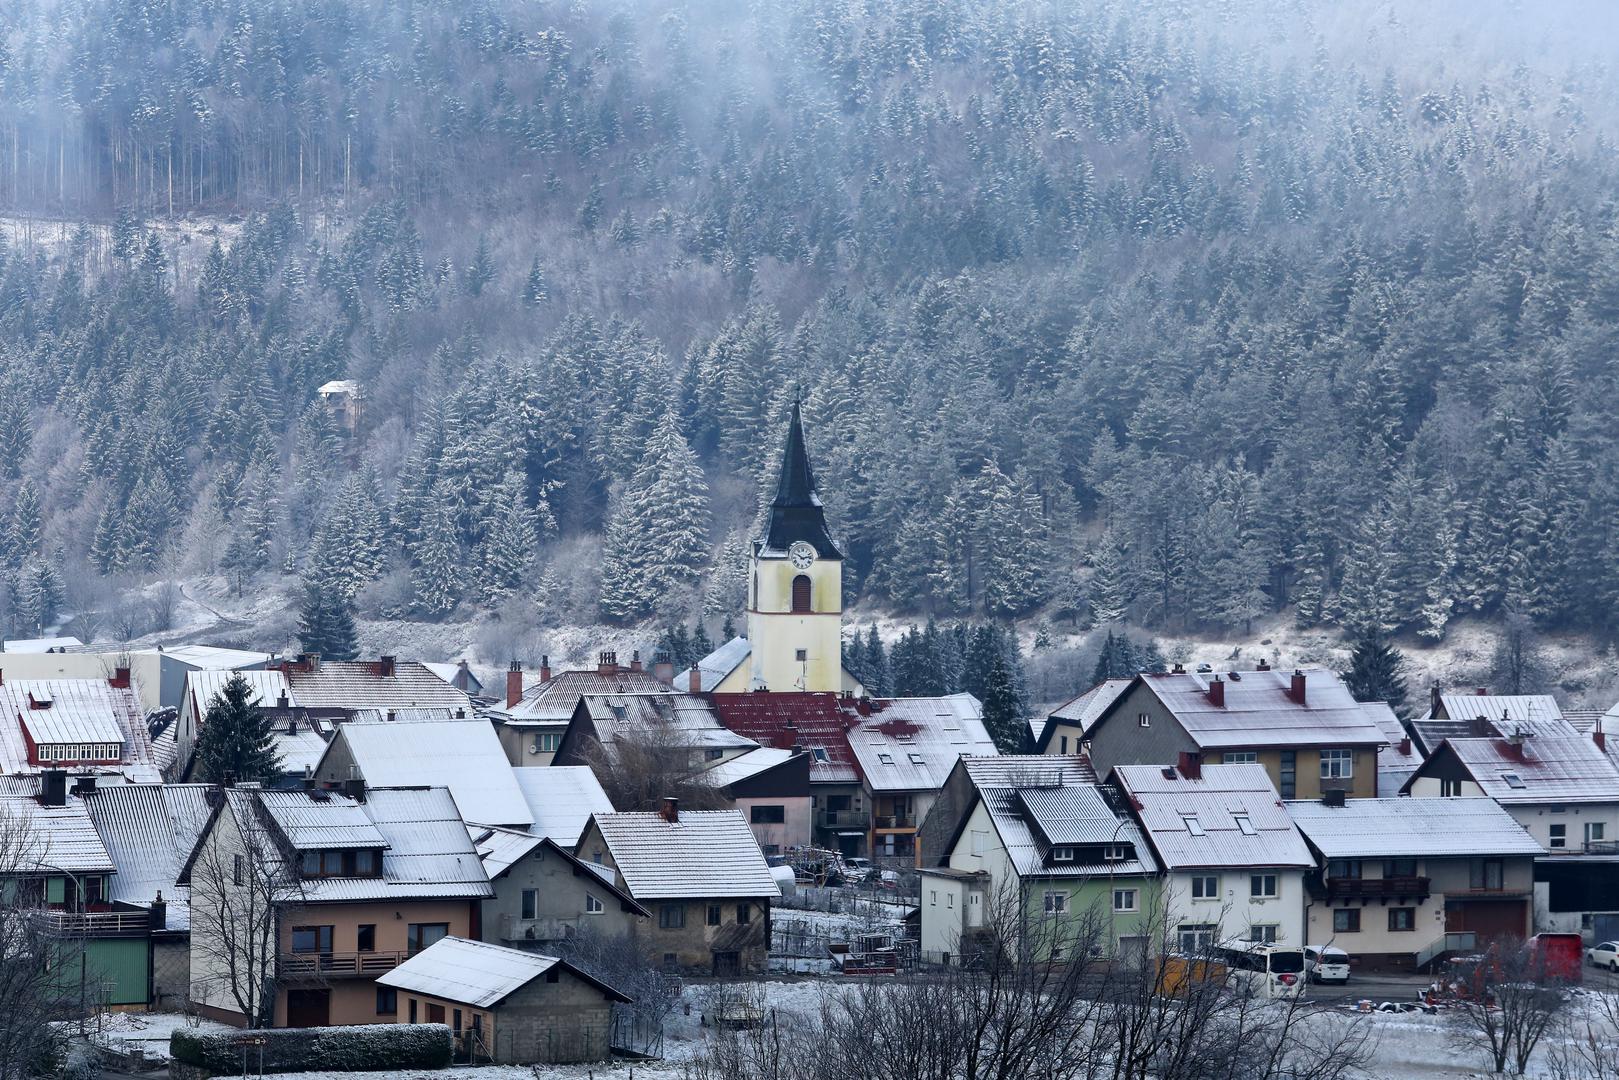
pixel 514 683
pixel 607 663
pixel 545 669
pixel 1297 692
pixel 1217 692
pixel 635 660
pixel 671 810
pixel 663 668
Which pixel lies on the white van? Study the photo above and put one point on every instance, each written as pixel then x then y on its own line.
pixel 1324 964
pixel 1272 971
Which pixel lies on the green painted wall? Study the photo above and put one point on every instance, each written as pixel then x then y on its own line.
pixel 1086 894
pixel 118 967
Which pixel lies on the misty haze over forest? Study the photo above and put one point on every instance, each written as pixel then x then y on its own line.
pixel 1183 316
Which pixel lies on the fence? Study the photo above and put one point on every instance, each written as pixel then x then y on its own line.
pixel 864 901
pixel 635 1032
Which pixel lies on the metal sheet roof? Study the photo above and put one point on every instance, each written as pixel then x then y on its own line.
pixel 359 684
pixel 148 830
pixel 1200 822
pixel 1085 708
pixel 500 848
pixel 329 823
pixel 56 837
pixel 555 699
pixel 1259 710
pixel 714 668
pixel 477 973
pixel 1029 770
pixel 1571 769
pixel 746 765
pixel 1532 709
pixel 215 657
pixel 817 721
pixel 706 853
pixel 911 744
pixel 561 799
pixel 685 720
pixel 1411 828
pixel 1072 814
pixel 463 755
pixel 1027 851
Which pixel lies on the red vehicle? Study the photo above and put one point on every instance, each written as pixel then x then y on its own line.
pixel 1559 956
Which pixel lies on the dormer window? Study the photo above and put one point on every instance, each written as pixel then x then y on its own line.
pixel 351 862
pixel 1062 854
pixel 1115 853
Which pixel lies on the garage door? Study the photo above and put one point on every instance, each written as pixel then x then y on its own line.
pixel 1488 918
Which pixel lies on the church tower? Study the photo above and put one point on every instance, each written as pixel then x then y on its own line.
pixel 795 585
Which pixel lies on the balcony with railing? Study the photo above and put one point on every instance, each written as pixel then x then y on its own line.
pixel 1385 889
pixel 894 821
pixel 333 965
pixel 96 924
pixel 843 819
pixel 514 928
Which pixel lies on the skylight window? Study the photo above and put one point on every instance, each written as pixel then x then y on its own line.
pixel 1513 780
pixel 820 753
pixel 916 759
pixel 1194 826
pixel 1246 825
pixel 886 759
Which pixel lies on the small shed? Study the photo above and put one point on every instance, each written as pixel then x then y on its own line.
pixel 508 1006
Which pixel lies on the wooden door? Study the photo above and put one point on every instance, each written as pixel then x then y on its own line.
pixel 309 1008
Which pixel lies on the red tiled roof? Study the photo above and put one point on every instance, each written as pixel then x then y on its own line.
pixel 812 721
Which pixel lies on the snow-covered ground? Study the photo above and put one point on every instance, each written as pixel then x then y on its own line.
pixel 148 1032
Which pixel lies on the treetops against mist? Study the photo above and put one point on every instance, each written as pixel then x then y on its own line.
pixel 1121 309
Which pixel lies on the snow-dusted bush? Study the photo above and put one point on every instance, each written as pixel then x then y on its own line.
pixel 356 1048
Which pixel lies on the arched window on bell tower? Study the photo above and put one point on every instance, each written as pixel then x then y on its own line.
pixel 801 594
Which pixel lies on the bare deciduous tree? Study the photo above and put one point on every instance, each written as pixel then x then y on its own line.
pixel 1506 1001
pixel 640 767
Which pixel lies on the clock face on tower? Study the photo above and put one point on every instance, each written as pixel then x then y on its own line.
pixel 802 554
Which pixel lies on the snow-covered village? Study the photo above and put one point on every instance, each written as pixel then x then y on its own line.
pixel 809 540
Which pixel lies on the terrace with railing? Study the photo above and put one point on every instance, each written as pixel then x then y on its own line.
pixel 333 965
pixel 96 924
pixel 1385 888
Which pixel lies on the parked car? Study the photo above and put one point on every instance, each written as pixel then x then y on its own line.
pixel 856 869
pixel 1604 954
pixel 1324 964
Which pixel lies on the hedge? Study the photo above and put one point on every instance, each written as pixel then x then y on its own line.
pixel 356 1048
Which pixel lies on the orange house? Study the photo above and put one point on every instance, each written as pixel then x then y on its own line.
pixel 313 894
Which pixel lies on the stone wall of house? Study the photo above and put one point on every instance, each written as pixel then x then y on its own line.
pixel 692 947
pixel 561 1022
pixel 171 973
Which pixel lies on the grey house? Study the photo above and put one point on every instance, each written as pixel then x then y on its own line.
pixel 544 893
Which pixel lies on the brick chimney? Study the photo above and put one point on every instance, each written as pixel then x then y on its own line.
pixel 120 677
pixel 1405 746
pixel 635 660
pixel 1599 737
pixel 385 666
pixel 694 681
pixel 514 683
pixel 663 669
pixel 1297 691
pixel 1264 665
pixel 1479 727
pixel 1481 691
pixel 1217 692
pixel 545 669
pixel 1191 764
pixel 607 663
pixel 670 811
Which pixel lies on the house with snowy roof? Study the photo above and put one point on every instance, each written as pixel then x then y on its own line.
pixel 1032 841
pixel 701 874
pixel 532 719
pixel 1234 864
pixel 91 724
pixel 506 1006
pixel 670 723
pixel 561 799
pixel 545 893
pixel 299 900
pixel 1483 715
pixel 1305 727
pixel 1064 728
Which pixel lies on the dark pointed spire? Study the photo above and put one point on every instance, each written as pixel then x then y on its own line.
pixel 796 513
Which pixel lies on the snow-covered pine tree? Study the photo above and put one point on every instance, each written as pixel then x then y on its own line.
pixel 1003 706
pixel 624 594
pixel 237 740
pixel 535 289
pixel 22 540
pixel 326 620
pixel 510 543
pixel 1367 601
pixel 657 536
pixel 878 677
pixel 435 558
pixel 1110 580
pixel 481 270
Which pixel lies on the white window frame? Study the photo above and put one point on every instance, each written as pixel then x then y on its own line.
pixel 1258 884
pixel 1240 757
pixel 1062 854
pixel 1115 853
pixel 1557 834
pixel 593 906
pixel 1056 902
pixel 1205 887
pixel 1144 720
pixel 1263 933
pixel 1595 832
pixel 1245 825
pixel 1337 764
pixel 1131 898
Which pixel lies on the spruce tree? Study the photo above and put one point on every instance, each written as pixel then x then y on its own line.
pixel 480 271
pixel 1376 672
pixel 237 741
pixel 878 679
pixel 1110 589
pixel 701 643
pixel 435 558
pixel 326 621
pixel 1003 708
pixel 509 547
pixel 535 290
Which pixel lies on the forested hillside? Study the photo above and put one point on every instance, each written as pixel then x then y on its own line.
pixel 1101 310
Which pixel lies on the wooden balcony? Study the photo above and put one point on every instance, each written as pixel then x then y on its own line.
pixel 300 967
pixel 1384 889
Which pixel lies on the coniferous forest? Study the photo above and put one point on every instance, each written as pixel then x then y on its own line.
pixel 1169 313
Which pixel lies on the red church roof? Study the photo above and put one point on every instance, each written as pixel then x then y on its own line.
pixel 817 722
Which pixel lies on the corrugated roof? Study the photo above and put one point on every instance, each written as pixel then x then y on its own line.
pixel 1532 709
pixel 463 755
pixel 1201 822
pixel 359 684
pixel 911 744
pixel 1072 814
pixel 1260 711
pixel 818 722
pixel 148 830
pixel 1029 770
pixel 749 764
pixel 685 719
pixel 320 824
pixel 266 688
pixel 500 848
pixel 82 710
pixel 1407 827
pixel 215 657
pixel 1088 706
pixel 1027 850
pixel 561 799
pixel 714 668
pixel 706 853
pixel 476 973
pixel 41 644
pixel 1543 769
pixel 56 837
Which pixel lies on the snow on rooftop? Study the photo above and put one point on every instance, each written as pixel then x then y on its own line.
pixel 474 973
pixel 706 853
pixel 561 799
pixel 1408 827
pixel 463 755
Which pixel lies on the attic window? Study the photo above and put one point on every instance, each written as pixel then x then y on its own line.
pixel 1513 780
pixel 619 712
pixel 820 753
pixel 1062 854
pixel 886 759
pixel 916 759
pixel 1193 826
pixel 1246 826
pixel 1115 853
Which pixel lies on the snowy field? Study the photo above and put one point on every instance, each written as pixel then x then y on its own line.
pixel 1409 1046
pixel 147 1032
